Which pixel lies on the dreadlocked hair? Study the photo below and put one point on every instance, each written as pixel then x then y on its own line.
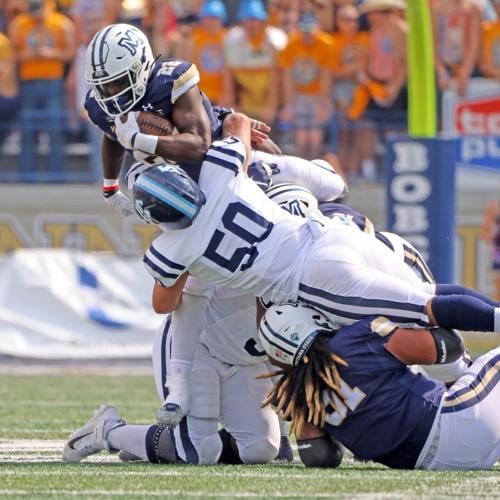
pixel 298 394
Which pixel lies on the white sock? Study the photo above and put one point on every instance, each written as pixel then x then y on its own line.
pixel 131 438
pixel 283 430
pixel 180 367
pixel 496 320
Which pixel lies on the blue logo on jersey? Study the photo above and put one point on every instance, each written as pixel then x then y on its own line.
pixel 130 42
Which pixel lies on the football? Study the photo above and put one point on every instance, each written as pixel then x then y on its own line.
pixel 154 124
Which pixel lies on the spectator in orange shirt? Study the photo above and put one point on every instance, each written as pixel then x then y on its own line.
pixel 307 84
pixel 251 51
pixel 44 41
pixel 348 60
pixel 206 48
pixel 284 14
pixel 489 62
pixel 457 32
pixel 9 96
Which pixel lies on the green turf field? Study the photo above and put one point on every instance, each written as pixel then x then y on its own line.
pixel 39 411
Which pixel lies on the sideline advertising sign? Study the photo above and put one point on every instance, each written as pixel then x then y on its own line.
pixel 421 198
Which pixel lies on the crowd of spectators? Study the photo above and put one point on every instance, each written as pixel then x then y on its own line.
pixel 328 75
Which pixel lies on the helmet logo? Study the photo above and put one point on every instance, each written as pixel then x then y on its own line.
pixel 294 337
pixel 143 212
pixel 130 41
pixel 295 208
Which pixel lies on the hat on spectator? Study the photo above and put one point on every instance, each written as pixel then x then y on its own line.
pixel 372 5
pixel 34 5
pixel 214 8
pixel 252 9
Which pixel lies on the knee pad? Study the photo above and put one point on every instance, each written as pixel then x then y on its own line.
pixel 259 452
pixel 160 445
pixel 322 451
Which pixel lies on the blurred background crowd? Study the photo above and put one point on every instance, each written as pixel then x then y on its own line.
pixel 328 75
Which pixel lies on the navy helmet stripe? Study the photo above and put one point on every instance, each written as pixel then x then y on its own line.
pixel 222 163
pixel 102 45
pixel 270 341
pixel 229 152
pixel 360 301
pixel 277 335
pixel 101 38
pixel 162 258
pixel 158 269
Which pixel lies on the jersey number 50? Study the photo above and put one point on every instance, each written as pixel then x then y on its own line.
pixel 235 231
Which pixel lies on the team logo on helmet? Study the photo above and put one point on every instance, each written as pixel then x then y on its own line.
pixel 144 213
pixel 130 41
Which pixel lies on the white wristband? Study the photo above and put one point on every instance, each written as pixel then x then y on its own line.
pixel 146 143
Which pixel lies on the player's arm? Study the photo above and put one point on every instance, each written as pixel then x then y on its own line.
pixel 112 157
pixel 195 135
pixel 239 125
pixel 166 299
pixel 425 347
pixel 318 449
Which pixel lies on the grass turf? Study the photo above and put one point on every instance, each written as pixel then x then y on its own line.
pixel 38 412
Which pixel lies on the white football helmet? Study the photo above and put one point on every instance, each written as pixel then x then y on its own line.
pixel 288 330
pixel 119 61
pixel 293 198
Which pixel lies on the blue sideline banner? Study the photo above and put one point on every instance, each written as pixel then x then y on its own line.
pixel 421 198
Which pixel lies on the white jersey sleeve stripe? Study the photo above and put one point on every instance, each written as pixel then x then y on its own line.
pixel 162 258
pixel 228 151
pixel 230 165
pixel 156 270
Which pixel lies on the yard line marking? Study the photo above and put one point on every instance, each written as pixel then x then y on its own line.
pixel 203 494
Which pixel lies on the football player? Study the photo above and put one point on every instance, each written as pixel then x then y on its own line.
pixel 223 389
pixel 353 385
pixel 226 231
pixel 125 78
pixel 299 201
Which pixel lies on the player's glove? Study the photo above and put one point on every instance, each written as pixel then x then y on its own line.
pixel 115 198
pixel 130 136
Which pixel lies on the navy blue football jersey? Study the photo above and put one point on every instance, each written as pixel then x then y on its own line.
pixel 168 81
pixel 388 411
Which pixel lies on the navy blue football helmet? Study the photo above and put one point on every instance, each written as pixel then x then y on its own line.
pixel 165 194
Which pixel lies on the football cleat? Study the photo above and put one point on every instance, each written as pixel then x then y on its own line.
pixel 285 452
pixel 91 438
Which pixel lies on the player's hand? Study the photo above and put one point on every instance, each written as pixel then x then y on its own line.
pixel 130 136
pixel 120 202
pixel 127 129
pixel 258 132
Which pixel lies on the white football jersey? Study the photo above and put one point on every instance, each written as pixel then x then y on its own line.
pixel 240 238
pixel 230 333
